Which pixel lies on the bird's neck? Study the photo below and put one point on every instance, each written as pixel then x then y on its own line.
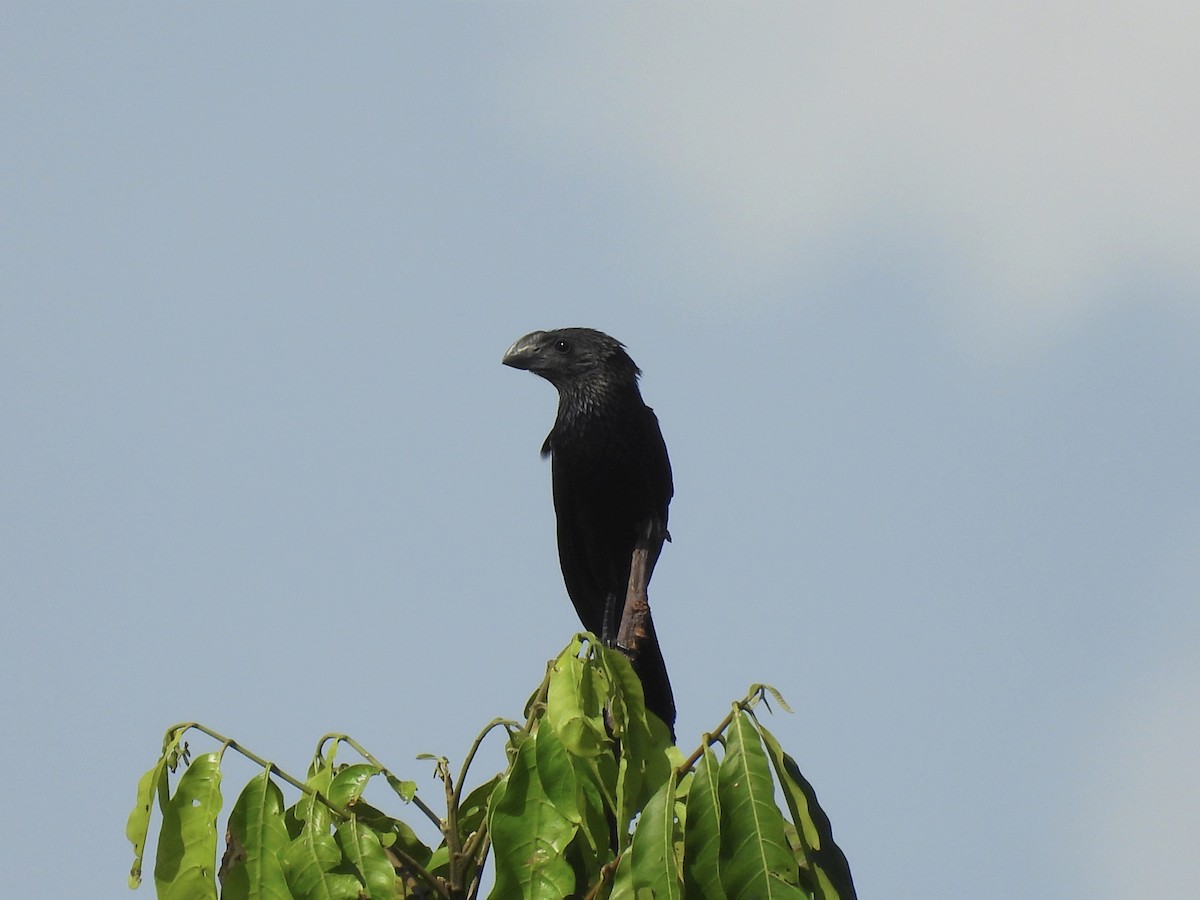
pixel 594 402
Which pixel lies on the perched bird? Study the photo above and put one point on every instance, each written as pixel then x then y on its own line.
pixel 611 482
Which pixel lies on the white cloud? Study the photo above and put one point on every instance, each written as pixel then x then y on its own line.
pixel 1038 152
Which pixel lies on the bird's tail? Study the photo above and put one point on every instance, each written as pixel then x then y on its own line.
pixel 652 670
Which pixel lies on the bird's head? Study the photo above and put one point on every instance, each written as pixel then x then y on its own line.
pixel 572 356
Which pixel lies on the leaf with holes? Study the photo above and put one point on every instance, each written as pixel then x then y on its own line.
pixel 185 865
pixel 256 836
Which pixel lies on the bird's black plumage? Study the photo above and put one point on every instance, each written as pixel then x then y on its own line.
pixel 611 477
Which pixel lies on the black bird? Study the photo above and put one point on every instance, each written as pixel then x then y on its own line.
pixel 611 479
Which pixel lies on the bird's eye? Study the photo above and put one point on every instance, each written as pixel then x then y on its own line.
pixel 562 346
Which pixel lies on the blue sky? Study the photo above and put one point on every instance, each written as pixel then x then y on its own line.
pixel 915 297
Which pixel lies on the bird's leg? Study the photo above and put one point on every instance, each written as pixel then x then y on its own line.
pixel 608 631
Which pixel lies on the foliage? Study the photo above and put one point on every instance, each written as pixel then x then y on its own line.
pixel 595 803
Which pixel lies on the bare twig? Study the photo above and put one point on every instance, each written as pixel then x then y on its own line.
pixel 636 612
pixel 607 871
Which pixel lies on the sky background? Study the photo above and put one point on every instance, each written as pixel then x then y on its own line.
pixel 915 294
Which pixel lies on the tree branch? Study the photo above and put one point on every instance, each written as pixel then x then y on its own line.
pixel 636 612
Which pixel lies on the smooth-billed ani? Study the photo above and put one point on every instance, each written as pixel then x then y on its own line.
pixel 611 482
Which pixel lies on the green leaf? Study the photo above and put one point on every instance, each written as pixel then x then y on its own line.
pixel 595 780
pixel 556 774
pixel 439 861
pixel 308 864
pixel 644 765
pixel 654 861
pixel 407 840
pixel 627 698
pixel 826 865
pixel 622 884
pixel 347 786
pixel 345 790
pixel 528 833
pixel 138 824
pixel 575 701
pixel 702 836
pixel 309 809
pixel 756 860
pixel 472 810
pixel 569 782
pixel 185 865
pixel 311 857
pixel 406 790
pixel 322 762
pixel 360 846
pixel 255 837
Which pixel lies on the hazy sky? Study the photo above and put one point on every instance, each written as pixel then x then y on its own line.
pixel 915 293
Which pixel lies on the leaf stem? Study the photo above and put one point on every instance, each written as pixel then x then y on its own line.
pixel 383 770
pixel 755 695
